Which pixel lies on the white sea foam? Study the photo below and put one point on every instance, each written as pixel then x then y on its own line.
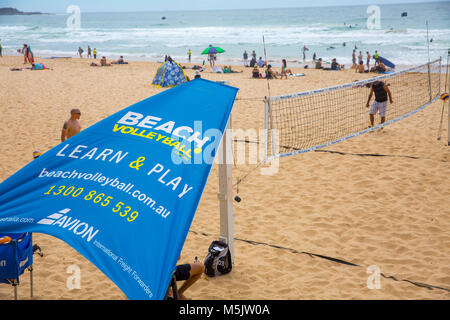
pixel 285 31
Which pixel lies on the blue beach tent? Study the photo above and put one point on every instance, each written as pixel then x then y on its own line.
pixel 169 74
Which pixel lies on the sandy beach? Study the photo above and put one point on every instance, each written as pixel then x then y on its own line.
pixel 390 212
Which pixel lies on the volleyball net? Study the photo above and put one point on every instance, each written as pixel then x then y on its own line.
pixel 305 121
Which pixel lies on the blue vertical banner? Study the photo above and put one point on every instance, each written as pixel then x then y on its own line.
pixel 124 192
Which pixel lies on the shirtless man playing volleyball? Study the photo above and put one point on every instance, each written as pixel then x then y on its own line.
pixel 380 104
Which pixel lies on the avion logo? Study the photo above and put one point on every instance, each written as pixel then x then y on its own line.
pixel 79 228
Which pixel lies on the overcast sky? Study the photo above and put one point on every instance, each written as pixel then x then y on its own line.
pixel 59 6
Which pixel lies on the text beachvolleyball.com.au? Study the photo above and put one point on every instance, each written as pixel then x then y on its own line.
pixel 126 187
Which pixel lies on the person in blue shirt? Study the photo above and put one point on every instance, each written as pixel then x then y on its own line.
pixel 38 66
pixel 260 62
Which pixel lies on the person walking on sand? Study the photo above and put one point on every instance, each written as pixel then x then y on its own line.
pixel 189 55
pixel 71 126
pixel 27 54
pixel 1 49
pixel 245 55
pixel 24 51
pixel 368 60
pixel 89 54
pixel 354 58
pixel 211 57
pixel 381 101
pixel 360 58
pixel 80 52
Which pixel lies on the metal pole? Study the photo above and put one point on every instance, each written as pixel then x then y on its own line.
pixel 429 73
pixel 225 194
pixel 31 281
pixel 447 81
pixel 15 290
pixel 266 133
pixel 440 74
pixel 443 102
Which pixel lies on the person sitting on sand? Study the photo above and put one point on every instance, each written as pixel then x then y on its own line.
pixel 261 62
pixel 103 62
pixel 284 70
pixel 227 69
pixel 255 73
pixel 380 104
pixel 335 65
pixel 119 61
pixel 71 126
pixel 319 64
pixel 189 273
pixel 197 75
pixel 360 67
pixel 379 67
pixel 270 74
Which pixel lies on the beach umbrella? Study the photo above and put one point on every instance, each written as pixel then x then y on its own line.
pixel 212 49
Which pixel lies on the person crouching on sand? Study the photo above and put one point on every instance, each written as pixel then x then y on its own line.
pixel 380 104
pixel 71 126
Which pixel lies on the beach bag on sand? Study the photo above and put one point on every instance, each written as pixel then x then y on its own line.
pixel 218 260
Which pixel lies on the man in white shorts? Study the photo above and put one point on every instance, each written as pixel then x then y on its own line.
pixel 380 104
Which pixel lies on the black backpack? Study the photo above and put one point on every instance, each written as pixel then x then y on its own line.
pixel 218 260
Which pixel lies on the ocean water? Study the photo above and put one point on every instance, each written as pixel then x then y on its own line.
pixel 146 36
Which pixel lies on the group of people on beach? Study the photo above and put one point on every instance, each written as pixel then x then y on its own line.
pixel 253 62
pixel 359 67
pixel 90 53
pixel 270 74
pixel 103 62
